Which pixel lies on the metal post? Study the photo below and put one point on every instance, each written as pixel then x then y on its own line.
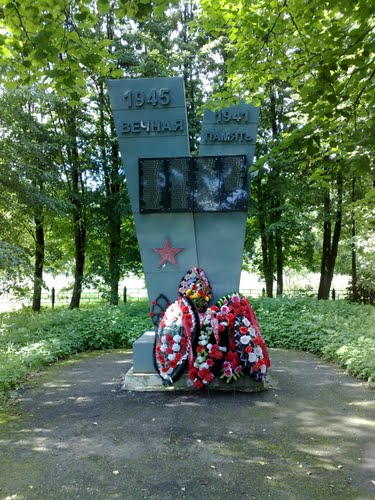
pixel 333 294
pixel 124 296
pixel 53 297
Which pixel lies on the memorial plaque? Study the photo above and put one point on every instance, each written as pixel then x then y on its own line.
pixel 207 191
pixel 180 185
pixel 234 185
pixel 153 185
pixel 205 184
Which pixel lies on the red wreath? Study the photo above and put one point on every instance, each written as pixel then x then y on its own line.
pixel 209 349
pixel 173 340
pixel 236 363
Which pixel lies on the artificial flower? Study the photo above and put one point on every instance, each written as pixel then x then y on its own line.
pixel 173 340
pixel 209 351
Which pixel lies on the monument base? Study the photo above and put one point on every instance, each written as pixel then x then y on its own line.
pixel 143 376
pixel 148 382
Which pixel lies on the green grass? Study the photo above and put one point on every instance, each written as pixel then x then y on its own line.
pixel 337 330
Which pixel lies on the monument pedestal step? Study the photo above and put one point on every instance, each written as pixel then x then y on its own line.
pixel 148 381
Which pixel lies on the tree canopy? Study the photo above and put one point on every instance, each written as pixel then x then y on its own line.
pixel 309 64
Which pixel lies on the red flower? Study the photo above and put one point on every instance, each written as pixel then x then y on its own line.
pixel 185 309
pixel 200 349
pixel 209 362
pixel 215 352
pixel 235 363
pixel 203 373
pixel 172 363
pixel 208 378
pixel 188 323
pixel 214 308
pixel 168 337
pixel 230 318
pixel 243 329
pixel 151 314
pixel 230 356
pixel 165 369
pixel 198 384
pixel 256 340
pixel 178 356
pixel 193 372
pixel 157 348
pixel 183 341
pixel 248 349
pixel 169 350
pixel 153 302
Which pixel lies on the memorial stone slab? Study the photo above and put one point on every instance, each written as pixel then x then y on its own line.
pixel 220 236
pixel 151 122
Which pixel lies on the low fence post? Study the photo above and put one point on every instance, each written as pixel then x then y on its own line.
pixel 333 294
pixel 53 297
pixel 124 295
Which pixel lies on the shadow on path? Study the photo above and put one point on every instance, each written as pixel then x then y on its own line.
pixel 312 436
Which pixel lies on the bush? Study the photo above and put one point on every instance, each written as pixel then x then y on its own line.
pixel 365 289
pixel 30 340
pixel 336 330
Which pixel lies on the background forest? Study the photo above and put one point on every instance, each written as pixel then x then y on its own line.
pixel 309 65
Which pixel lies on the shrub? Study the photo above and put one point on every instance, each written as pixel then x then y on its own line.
pixel 336 330
pixel 29 340
pixel 365 289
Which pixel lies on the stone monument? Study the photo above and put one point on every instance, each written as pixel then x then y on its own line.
pixel 188 211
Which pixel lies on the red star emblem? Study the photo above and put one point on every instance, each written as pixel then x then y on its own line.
pixel 167 253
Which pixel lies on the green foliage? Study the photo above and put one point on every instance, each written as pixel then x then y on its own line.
pixel 365 289
pixel 29 341
pixel 340 332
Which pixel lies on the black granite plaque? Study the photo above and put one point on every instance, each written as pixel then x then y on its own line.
pixel 180 185
pixel 152 185
pixel 234 189
pixel 205 184
pixel 207 188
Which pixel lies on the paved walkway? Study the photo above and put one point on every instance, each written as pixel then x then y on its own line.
pixel 312 436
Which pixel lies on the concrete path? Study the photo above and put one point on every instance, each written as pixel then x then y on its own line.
pixel 312 436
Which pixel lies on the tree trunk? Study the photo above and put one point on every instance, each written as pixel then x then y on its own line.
pixel 80 255
pixel 114 261
pixel 330 248
pixel 353 246
pixel 39 262
pixel 111 169
pixel 279 265
pixel 277 203
pixel 114 226
pixel 76 197
pixel 267 239
pixel 267 257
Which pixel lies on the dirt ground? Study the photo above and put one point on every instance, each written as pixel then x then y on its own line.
pixel 79 436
